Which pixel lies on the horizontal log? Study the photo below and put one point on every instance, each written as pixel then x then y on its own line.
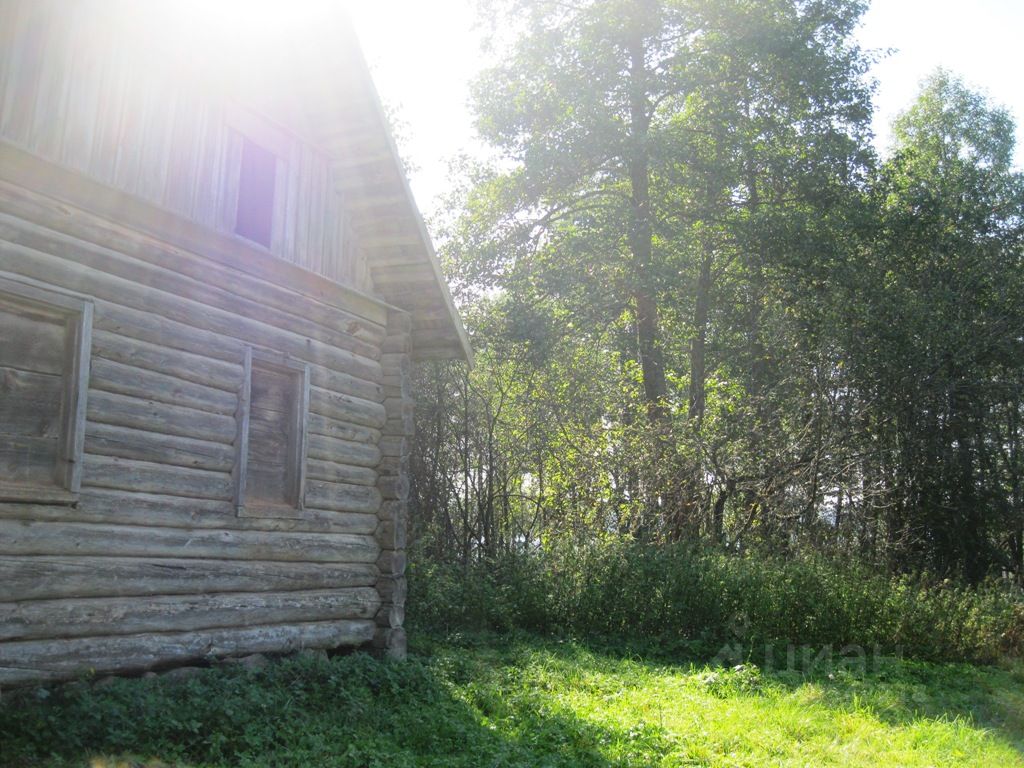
pixel 162 418
pixel 333 381
pixel 38 619
pixel 32 660
pixel 140 445
pixel 161 332
pixel 103 505
pixel 340 473
pixel 395 389
pixel 51 577
pixel 341 430
pixel 111 376
pixel 342 497
pixel 197 368
pixel 342 451
pixel 346 408
pixel 23 537
pixel 148 477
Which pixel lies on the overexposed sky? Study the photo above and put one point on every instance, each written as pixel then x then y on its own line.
pixel 425 52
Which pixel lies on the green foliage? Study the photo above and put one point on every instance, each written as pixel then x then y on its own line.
pixel 706 311
pixel 698 602
pixel 474 700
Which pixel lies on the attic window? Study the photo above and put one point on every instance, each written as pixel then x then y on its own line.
pixel 256 193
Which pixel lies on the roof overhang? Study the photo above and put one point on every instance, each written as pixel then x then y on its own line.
pixel 346 118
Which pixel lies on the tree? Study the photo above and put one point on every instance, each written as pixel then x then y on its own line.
pixel 633 131
pixel 945 354
pixel 704 309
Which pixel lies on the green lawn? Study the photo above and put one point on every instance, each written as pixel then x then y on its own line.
pixel 489 702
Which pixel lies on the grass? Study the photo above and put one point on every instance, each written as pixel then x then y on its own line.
pixel 488 701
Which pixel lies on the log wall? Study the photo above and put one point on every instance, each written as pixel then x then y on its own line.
pixel 153 564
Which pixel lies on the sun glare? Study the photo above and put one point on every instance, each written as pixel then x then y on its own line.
pixel 228 28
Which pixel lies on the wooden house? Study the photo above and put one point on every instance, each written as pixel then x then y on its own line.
pixel 213 281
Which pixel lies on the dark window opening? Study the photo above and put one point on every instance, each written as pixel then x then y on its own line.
pixel 256 193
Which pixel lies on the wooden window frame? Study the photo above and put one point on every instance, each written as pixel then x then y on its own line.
pixel 281 363
pixel 246 125
pixel 256 202
pixel 77 312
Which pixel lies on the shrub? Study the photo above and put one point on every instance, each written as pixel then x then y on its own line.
pixel 698 600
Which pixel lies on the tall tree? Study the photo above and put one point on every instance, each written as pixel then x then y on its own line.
pixel 633 129
pixel 945 359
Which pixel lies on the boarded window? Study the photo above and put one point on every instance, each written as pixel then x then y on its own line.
pixel 44 356
pixel 257 178
pixel 273 471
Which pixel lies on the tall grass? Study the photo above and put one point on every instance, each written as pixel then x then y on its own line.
pixel 699 600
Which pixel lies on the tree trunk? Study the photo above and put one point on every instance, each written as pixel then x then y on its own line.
pixel 698 346
pixel 641 239
pixel 674 512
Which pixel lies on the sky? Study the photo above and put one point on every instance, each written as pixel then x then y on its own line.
pixel 424 54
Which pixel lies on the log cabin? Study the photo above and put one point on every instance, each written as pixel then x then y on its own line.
pixel 213 282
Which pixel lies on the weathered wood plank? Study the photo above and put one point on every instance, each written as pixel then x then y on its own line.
pixel 30 461
pixel 341 451
pixel 105 505
pixel 340 473
pixel 31 339
pixel 121 379
pixel 28 620
pixel 149 477
pixel 345 408
pixel 163 418
pixel 30 403
pixel 342 497
pixel 155 447
pixel 61 659
pixel 341 430
pixel 28 537
pixel 79 577
pixel 187 366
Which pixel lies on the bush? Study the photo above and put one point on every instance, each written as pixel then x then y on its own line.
pixel 699 600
